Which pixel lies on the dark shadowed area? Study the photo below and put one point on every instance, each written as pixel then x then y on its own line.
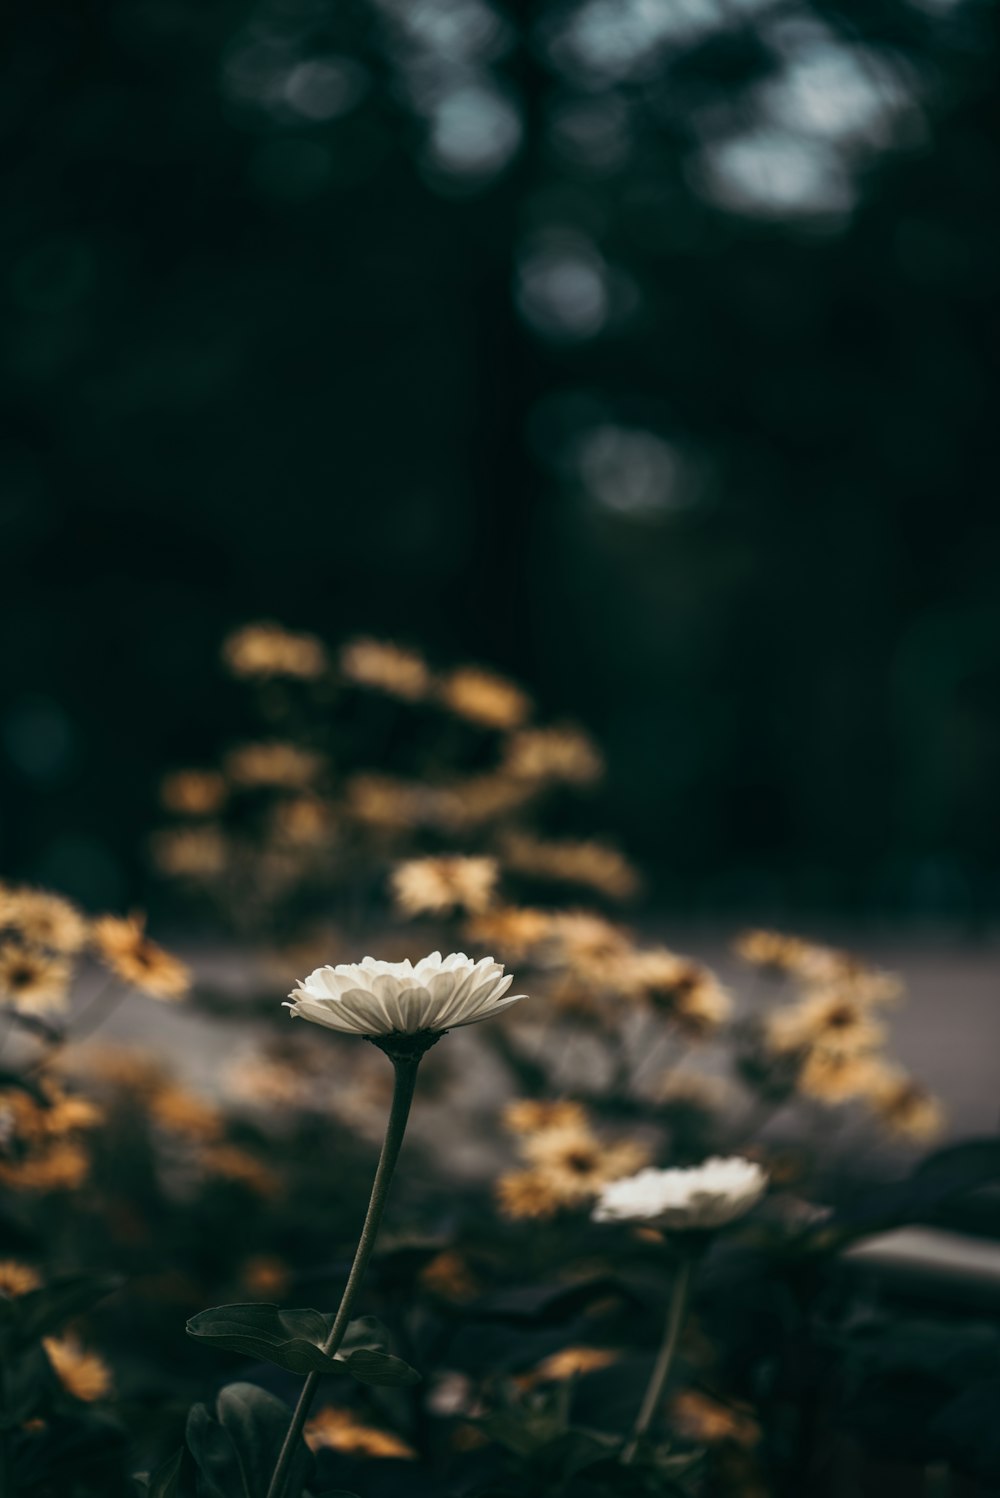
pixel 644 351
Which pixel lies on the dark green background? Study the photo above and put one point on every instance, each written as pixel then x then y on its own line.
pixel 262 364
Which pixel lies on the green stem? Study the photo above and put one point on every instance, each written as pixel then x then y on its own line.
pixel 402 1097
pixel 665 1357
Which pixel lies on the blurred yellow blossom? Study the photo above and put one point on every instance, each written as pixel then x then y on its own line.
pixel 436 886
pixel 35 982
pixel 484 698
pixel 341 1430
pixel 193 793
pixel 132 956
pixel 265 649
pixel 386 667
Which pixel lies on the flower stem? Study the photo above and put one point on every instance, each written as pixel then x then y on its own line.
pixel 402 1097
pixel 665 1357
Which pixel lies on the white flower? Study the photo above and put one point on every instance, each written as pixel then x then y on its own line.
pixel 391 998
pixel 709 1195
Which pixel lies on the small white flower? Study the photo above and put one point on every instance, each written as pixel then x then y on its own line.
pixel 391 998
pixel 709 1195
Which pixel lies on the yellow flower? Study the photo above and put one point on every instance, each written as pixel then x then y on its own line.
pixel 384 802
pixel 266 1275
pixel 193 793
pixel 17 1278
pixel 42 919
pixel 231 1163
pixel 593 864
pixel 449 1276
pixel 62 1167
pixel 34 981
pixel 181 1112
pixel 527 1194
pixel 578 1164
pixel 304 822
pixel 484 698
pixel 197 853
pixel 340 1430
pixel 385 667
pixel 589 943
pixel 569 1362
pixel 905 1107
pixel 683 991
pixel 435 886
pixel 125 948
pixel 275 763
pixel 699 1417
pixel 828 1019
pixel 835 1075
pixel 267 650
pixel 530 1116
pixel 511 931
pixel 560 755
pixel 83 1374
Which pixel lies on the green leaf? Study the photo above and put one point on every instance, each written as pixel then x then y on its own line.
pixel 219 1470
pixel 371 1367
pixel 164 1482
pixel 43 1311
pixel 288 1338
pixel 256 1423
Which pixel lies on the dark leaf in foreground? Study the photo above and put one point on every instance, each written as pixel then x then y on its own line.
pixel 291 1339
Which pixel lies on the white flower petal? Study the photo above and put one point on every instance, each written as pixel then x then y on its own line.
pixel 382 998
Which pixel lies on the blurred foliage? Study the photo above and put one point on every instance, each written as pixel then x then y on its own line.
pixel 646 350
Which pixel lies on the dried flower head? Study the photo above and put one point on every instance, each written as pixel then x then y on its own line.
pixel 35 982
pixel 588 943
pixel 596 865
pixel 436 886
pixel 266 1275
pixel 703 1197
pixel 699 1417
pixel 835 1074
pixel 61 1166
pixel 816 965
pixel 577 1164
pixel 304 822
pixel 275 764
pixel 475 802
pixel 228 1162
pixel 132 956
pixel 265 650
pixel 558 755
pixel 373 998
pixel 184 1113
pixel 570 1362
pixel 527 1195
pixel 196 853
pixel 484 698
pixel 385 667
pixel 530 1116
pixel 829 1019
pixel 42 919
pixel 341 1430
pixel 385 803
pixel 448 1275
pixel 193 793
pixel 83 1374
pixel 17 1278
pixel 905 1107
pixel 681 990
pixel 513 932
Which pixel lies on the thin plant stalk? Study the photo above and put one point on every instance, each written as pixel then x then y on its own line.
pixel 402 1097
pixel 679 1298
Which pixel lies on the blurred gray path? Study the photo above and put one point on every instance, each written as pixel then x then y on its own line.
pixel 948 1032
